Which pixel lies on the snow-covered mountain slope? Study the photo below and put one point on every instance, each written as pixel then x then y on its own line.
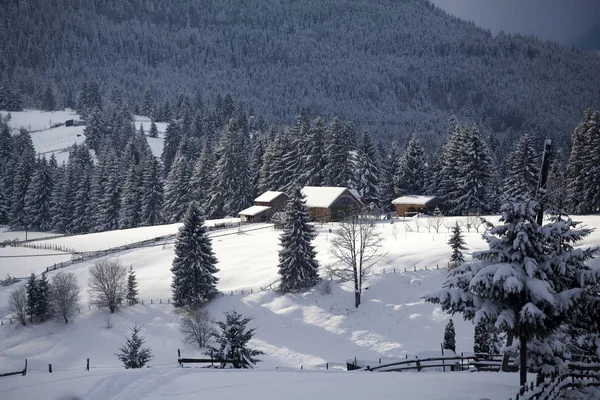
pixel 48 140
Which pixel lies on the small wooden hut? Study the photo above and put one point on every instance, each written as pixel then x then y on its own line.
pixel 407 206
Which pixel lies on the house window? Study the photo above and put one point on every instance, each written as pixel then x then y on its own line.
pixel 344 200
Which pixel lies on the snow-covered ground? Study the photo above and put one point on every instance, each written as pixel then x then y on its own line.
pixel 191 384
pixel 306 329
pixel 7 234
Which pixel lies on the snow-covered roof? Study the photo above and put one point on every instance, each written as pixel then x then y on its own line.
pixel 322 196
pixel 414 199
pixel 254 210
pixel 268 196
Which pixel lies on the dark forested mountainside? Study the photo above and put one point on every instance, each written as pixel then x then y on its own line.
pixel 399 67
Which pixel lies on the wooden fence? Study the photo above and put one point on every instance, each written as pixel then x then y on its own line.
pixel 21 372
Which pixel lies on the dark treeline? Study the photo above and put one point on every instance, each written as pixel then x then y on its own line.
pixel 222 157
pixel 398 67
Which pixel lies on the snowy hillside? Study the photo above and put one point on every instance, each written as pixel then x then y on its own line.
pixel 48 140
pixel 294 330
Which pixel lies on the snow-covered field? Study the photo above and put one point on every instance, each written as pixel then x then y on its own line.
pixel 307 329
pixel 7 234
pixel 47 140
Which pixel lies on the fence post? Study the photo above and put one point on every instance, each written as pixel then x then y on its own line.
pixel 50 368
pixel 326 365
pixel 25 370
pixel 87 365
pixel 150 301
pixel 418 365
pixel 415 267
pixel 178 353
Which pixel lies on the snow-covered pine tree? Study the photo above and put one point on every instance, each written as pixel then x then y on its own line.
pixel 457 243
pixel 338 171
pixel 281 169
pixel 528 283
pixel 389 178
pixel 258 152
pixel 42 304
pixel 202 175
pixel 293 161
pixel 82 203
pixel 107 210
pixel 265 181
pixel 521 169
pixel 25 165
pixel 132 354
pixel 151 206
pixel 178 190
pixel 172 141
pixel 298 266
pixel 481 342
pixel 315 162
pixel 59 202
pixel 132 291
pixel 194 266
pixel 366 173
pixel 476 180
pixel 233 341
pixel 39 197
pixel 153 132
pixel 32 299
pixel 129 213
pixel 412 169
pixel 147 103
pixel 94 130
pixel 449 337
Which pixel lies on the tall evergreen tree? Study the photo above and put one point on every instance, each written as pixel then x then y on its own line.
pixel 107 210
pixel 366 176
pixel 172 141
pixel 233 341
pixel 338 171
pixel 153 133
pixel 315 162
pixel 147 103
pixel 132 354
pixel 298 266
pixel 178 191
pixel 32 296
pixel 42 305
pixel 94 130
pixel 151 193
pixel 38 201
pixel 457 243
pixel 522 170
pixel 130 198
pixel 449 337
pixel 389 178
pixel 132 291
pixel 412 169
pixel 194 266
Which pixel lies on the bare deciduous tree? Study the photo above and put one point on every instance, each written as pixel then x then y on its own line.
pixel 436 220
pixel 197 326
pixel 108 284
pixel 64 295
pixel 357 247
pixel 17 304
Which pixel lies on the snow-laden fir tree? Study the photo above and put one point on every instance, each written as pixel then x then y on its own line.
pixel 338 171
pixel 107 211
pixel 129 216
pixel 42 305
pixel 32 296
pixel 194 266
pixel 389 178
pixel 584 165
pixel 412 169
pixel 25 165
pixel 147 103
pixel 132 354
pixel 449 337
pixel 151 205
pixel 94 130
pixel 132 291
pixel 481 342
pixel 366 173
pixel 528 283
pixel 298 266
pixel 177 193
pixel 81 205
pixel 39 197
pixel 315 162
pixel 233 341
pixel 153 132
pixel 258 152
pixel 201 177
pixel 457 243
pixel 293 160
pixel 172 141
pixel 522 169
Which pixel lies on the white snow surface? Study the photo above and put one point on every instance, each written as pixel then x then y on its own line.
pixel 413 199
pixel 308 329
pixel 254 210
pixel 268 196
pixel 321 197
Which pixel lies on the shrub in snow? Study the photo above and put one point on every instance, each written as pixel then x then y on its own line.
pixel 108 284
pixel 64 295
pixel 197 326
pixel 132 354
pixel 17 304
pixel 297 264
pixel 233 341
pixel 450 337
pixel 194 266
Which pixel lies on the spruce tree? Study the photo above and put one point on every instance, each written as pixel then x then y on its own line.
pixel 338 171
pixel 94 130
pixel 389 178
pixel 315 162
pixel 38 201
pixel 233 341
pixel 129 216
pixel 42 305
pixel 151 193
pixel 194 266
pixel 298 266
pixel 172 141
pixel 178 190
pixel 32 297
pixel 132 354
pixel 457 243
pixel 522 170
pixel 153 133
pixel 412 169
pixel 147 103
pixel 450 337
pixel 132 291
pixel 481 342
pixel 366 178
pixel 107 210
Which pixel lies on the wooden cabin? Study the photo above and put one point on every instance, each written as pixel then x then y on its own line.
pixel 330 203
pixel 407 206
pixel 264 207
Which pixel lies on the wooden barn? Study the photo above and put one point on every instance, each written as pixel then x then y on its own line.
pixel 330 203
pixel 407 206
pixel 264 207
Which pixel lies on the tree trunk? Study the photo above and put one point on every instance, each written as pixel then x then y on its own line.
pixel 66 320
pixel 112 309
pixel 523 360
pixel 356 298
pixel 505 358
